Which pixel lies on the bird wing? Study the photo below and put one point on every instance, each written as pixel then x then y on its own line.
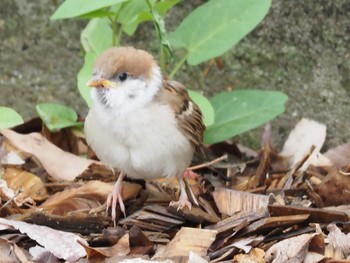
pixel 187 113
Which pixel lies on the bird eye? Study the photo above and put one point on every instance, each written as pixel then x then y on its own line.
pixel 123 76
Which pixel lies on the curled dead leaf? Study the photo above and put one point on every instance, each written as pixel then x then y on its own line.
pixel 59 164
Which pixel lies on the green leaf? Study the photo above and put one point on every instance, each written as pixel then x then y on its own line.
pixel 99 13
pixel 242 110
pixel 163 6
pixel 205 106
pixel 132 16
pixel 9 118
pixel 97 35
pixel 57 116
pixel 84 75
pixel 216 26
pixel 74 8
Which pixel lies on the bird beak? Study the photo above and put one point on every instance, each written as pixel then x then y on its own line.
pixel 98 82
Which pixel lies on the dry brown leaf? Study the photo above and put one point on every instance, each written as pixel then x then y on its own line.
pixel 338 240
pixel 87 196
pixel 290 250
pixel 231 201
pixel 256 255
pixel 40 254
pixel 304 135
pixel 62 244
pixel 334 189
pixel 339 155
pixel 10 252
pixel 186 240
pixel 140 260
pixel 312 257
pixel 121 248
pixel 29 184
pixel 59 164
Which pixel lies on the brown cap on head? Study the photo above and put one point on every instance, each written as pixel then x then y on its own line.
pixel 118 60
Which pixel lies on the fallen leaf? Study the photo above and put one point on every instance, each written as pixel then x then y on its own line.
pixel 290 250
pixel 338 240
pixel 10 252
pixel 140 260
pixel 312 257
pixel 304 135
pixel 121 248
pixel 334 189
pixel 29 184
pixel 86 196
pixel 339 155
pixel 40 254
pixel 62 244
pixel 59 164
pixel 256 255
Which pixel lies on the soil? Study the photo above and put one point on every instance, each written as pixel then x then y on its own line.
pixel 301 48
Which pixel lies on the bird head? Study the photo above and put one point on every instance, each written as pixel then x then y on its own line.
pixel 124 78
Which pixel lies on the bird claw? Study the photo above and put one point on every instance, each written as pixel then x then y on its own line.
pixel 181 203
pixel 115 197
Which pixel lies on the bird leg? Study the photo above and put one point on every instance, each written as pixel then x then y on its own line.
pixel 183 200
pixel 116 196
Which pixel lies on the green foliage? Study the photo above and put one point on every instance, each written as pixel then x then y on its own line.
pixel 216 26
pixel 57 116
pixel 9 118
pixel 205 105
pixel 75 8
pixel 84 75
pixel 242 110
pixel 97 36
pixel 207 32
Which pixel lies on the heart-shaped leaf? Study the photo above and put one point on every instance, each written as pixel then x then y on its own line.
pixel 242 110
pixel 9 118
pixel 74 8
pixel 216 26
pixel 97 35
pixel 57 116
pixel 84 75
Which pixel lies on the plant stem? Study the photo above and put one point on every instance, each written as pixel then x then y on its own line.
pixel 114 31
pixel 116 35
pixel 162 58
pixel 119 35
pixel 177 66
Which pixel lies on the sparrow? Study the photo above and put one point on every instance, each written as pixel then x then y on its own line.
pixel 140 123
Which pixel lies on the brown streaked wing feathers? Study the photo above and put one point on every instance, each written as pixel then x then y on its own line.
pixel 187 113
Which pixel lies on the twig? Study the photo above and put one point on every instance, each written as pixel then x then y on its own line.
pixel 12 199
pixel 199 166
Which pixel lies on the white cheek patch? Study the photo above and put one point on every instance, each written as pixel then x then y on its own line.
pixel 131 94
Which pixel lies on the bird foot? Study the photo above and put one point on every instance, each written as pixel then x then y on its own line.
pixel 114 197
pixel 183 201
pixel 189 174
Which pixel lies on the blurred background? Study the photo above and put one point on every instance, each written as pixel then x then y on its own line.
pixel 301 48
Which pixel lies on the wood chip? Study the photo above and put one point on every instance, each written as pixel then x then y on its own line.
pixel 316 215
pixel 273 222
pixel 186 240
pixel 231 201
pixel 195 214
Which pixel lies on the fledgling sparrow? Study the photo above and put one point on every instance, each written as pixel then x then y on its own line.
pixel 140 123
